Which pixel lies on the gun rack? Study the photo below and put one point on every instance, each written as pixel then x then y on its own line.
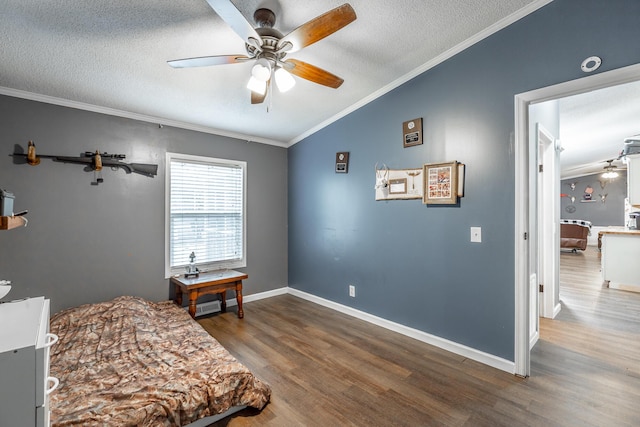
pixel 9 222
pixel 93 161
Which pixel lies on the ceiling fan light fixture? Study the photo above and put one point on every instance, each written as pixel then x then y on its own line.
pixel 609 172
pixel 261 70
pixel 257 86
pixel 284 80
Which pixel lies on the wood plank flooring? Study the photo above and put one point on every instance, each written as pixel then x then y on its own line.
pixel 329 369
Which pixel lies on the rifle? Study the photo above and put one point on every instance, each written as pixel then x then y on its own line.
pixel 93 160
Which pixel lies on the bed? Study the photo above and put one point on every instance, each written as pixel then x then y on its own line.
pixel 132 362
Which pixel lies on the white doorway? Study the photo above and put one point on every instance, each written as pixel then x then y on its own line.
pixel 527 236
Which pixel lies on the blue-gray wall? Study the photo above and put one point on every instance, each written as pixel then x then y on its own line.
pixel 414 264
pixel 611 212
pixel 87 243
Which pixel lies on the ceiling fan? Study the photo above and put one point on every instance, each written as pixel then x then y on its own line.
pixel 609 170
pixel 268 48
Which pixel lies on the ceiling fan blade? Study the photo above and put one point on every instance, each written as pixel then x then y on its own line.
pixel 257 98
pixel 312 73
pixel 206 61
pixel 318 28
pixel 238 23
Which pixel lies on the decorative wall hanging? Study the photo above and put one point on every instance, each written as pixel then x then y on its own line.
pixel 398 184
pixel 94 162
pixel 587 197
pixel 440 183
pixel 412 132
pixel 342 162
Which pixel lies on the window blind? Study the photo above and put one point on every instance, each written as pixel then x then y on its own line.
pixel 206 212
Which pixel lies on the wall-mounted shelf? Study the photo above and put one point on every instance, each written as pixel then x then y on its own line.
pixel 9 222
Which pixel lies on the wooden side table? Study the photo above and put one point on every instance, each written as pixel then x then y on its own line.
pixel 213 282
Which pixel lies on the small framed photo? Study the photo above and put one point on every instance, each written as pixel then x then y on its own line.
pixel 342 162
pixel 412 132
pixel 440 183
pixel 398 186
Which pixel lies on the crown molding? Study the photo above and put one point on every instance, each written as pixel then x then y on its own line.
pixel 134 116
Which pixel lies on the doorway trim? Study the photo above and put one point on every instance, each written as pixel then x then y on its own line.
pixel 523 173
pixel 548 223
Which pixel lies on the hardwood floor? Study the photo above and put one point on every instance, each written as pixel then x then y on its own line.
pixel 329 369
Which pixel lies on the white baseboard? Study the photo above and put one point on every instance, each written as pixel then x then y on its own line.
pixel 462 350
pixel 255 297
pixel 456 348
pixel 534 339
pixel 556 310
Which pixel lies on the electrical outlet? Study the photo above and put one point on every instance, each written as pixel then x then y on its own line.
pixel 352 291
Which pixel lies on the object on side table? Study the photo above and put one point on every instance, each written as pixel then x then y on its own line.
pixel 192 270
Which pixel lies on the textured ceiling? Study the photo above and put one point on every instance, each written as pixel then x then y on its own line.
pixel 593 127
pixel 112 56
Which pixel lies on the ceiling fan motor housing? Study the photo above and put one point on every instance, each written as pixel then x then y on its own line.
pixel 265 19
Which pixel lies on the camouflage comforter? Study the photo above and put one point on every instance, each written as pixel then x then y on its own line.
pixel 131 362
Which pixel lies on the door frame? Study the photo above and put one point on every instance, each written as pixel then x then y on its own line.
pixel 548 221
pixel 523 236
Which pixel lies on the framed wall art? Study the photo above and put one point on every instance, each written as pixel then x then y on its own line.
pixel 342 162
pixel 440 183
pixel 400 184
pixel 412 132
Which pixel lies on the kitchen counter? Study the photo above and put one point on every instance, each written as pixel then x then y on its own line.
pixel 620 258
pixel 619 230
pixel 615 230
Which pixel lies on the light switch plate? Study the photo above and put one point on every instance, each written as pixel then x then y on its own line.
pixel 476 234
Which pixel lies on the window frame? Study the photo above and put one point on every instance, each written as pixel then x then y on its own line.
pixel 205 266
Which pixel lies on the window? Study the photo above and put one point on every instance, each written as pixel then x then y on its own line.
pixel 205 213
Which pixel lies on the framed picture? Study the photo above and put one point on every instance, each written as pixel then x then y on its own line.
pixel 401 184
pixel 398 186
pixel 412 132
pixel 342 162
pixel 440 183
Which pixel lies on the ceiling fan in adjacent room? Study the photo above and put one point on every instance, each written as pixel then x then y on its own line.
pixel 610 170
pixel 268 48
